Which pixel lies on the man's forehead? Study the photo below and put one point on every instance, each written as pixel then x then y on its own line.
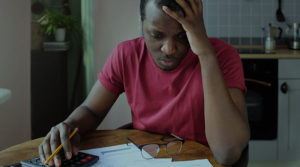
pixel 154 9
pixel 158 20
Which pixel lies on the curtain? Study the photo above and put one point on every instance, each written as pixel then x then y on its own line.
pixel 88 42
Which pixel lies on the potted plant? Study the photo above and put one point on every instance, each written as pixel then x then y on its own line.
pixel 58 24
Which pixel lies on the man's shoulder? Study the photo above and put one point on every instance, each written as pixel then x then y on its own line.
pixel 135 43
pixel 216 42
pixel 131 50
pixel 221 46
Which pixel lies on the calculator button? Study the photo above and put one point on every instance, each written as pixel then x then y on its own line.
pixel 84 161
pixel 89 158
pixel 82 156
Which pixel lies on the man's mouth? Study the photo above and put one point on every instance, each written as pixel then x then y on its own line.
pixel 168 62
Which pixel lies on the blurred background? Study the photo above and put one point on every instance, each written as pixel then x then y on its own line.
pixel 48 78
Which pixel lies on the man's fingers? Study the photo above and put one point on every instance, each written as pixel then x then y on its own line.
pixel 54 143
pixel 42 154
pixel 196 5
pixel 65 141
pixel 57 160
pixel 186 7
pixel 76 144
pixel 75 149
pixel 47 151
pixel 173 14
pixel 58 134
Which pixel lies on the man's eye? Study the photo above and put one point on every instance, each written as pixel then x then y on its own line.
pixel 156 36
pixel 181 36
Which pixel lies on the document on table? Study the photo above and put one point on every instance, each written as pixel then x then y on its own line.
pixel 130 156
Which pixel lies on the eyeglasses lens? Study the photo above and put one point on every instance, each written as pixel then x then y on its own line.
pixel 150 151
pixel 174 147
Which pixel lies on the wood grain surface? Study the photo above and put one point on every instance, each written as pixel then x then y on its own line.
pixel 191 150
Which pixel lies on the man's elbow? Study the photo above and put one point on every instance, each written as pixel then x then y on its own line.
pixel 228 156
pixel 230 153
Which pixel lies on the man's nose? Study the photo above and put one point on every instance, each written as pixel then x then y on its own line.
pixel 169 47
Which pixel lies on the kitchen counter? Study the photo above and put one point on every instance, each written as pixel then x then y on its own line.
pixel 280 53
pixel 4 95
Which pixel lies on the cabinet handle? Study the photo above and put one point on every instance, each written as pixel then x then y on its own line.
pixel 284 88
pixel 258 82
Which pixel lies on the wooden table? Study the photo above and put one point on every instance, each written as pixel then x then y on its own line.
pixel 191 150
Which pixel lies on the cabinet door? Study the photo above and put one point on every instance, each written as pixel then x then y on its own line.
pixel 49 103
pixel 289 119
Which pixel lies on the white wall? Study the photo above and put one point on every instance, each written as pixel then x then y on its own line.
pixel 115 21
pixel 15 71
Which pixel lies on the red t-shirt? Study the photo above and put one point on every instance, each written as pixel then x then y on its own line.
pixel 167 101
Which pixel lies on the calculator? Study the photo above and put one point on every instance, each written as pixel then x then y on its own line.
pixel 80 160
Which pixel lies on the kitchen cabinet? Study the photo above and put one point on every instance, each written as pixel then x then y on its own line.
pixel 287 143
pixel 262 113
pixel 48 90
pixel 289 109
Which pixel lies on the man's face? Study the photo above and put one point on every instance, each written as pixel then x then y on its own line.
pixel 165 38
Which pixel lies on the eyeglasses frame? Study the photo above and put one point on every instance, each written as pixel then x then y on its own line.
pixel 140 147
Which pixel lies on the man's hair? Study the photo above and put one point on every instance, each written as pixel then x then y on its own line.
pixel 172 4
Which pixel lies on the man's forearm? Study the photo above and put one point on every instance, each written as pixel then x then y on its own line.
pixel 83 118
pixel 226 129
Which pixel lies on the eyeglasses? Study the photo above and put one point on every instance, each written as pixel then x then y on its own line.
pixel 151 150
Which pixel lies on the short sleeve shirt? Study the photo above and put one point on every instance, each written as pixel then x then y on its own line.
pixel 167 101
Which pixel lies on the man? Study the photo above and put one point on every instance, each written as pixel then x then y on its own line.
pixel 176 81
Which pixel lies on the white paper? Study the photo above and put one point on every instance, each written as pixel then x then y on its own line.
pixel 130 156
pixel 193 163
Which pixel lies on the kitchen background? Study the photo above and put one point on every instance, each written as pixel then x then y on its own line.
pixel 239 22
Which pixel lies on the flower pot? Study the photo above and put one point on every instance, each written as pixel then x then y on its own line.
pixel 60 34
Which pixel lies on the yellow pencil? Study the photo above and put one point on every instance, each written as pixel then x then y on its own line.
pixel 60 147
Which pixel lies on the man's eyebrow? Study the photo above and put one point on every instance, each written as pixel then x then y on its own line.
pixel 155 30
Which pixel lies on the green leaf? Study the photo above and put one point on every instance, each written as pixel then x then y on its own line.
pixel 54 20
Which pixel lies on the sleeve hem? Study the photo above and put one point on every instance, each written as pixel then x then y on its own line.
pixel 241 87
pixel 108 86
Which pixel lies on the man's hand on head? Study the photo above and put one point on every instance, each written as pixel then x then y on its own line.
pixel 193 23
pixel 193 14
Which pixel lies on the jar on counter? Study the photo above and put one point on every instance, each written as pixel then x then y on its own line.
pixel 270 45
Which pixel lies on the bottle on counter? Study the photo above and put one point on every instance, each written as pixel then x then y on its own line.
pixel 270 45
pixel 270 34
